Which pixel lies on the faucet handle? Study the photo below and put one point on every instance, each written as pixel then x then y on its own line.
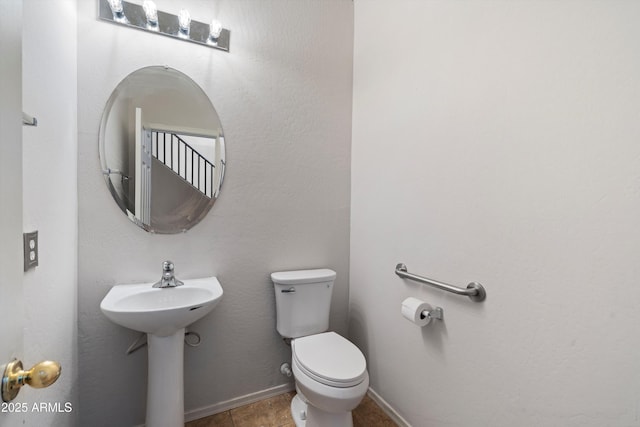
pixel 167 266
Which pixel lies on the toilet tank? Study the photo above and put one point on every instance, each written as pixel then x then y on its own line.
pixel 303 301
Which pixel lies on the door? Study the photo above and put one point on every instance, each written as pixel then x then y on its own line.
pixel 11 264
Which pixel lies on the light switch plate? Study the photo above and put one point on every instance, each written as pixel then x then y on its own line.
pixel 30 250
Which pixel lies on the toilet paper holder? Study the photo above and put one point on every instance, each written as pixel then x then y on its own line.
pixel 419 312
pixel 436 313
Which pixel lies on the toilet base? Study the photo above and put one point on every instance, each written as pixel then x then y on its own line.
pixel 305 415
pixel 298 411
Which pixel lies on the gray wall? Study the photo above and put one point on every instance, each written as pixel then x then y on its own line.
pixel 283 94
pixel 509 155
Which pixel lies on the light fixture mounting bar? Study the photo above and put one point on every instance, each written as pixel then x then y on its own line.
pixel 167 25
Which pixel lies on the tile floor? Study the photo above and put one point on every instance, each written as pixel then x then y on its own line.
pixel 275 412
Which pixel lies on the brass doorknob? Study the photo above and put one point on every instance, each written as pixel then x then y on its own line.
pixel 41 375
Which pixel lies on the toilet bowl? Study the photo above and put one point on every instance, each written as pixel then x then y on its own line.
pixel 331 380
pixel 329 370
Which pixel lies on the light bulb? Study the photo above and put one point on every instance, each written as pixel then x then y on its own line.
pixel 215 28
pixel 117 10
pixel 151 12
pixel 115 5
pixel 184 20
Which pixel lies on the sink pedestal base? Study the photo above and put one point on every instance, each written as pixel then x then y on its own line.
pixel 165 385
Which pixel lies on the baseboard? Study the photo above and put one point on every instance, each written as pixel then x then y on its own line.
pixel 216 408
pixel 397 418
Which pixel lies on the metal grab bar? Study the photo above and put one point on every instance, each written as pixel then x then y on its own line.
pixel 475 291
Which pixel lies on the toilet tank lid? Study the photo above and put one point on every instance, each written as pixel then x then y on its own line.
pixel 299 277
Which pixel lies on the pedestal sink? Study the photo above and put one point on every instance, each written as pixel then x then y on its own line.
pixel 163 313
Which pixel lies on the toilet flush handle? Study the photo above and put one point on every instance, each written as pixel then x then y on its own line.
pixel 288 291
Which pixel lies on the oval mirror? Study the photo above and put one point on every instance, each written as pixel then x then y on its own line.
pixel 162 150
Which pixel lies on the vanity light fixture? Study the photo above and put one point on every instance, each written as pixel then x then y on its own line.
pixel 151 13
pixel 148 18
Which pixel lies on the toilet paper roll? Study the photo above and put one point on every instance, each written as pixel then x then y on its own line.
pixel 412 309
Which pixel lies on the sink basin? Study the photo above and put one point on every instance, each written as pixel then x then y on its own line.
pixel 161 311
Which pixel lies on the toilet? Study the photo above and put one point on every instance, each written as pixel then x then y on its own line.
pixel 329 370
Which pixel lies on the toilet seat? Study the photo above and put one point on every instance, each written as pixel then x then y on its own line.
pixel 330 359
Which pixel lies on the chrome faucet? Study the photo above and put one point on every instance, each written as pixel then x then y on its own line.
pixel 168 279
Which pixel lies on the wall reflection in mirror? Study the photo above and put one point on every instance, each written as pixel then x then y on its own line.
pixel 162 150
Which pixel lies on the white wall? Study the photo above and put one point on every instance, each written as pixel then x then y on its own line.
pixel 50 199
pixel 498 141
pixel 283 94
